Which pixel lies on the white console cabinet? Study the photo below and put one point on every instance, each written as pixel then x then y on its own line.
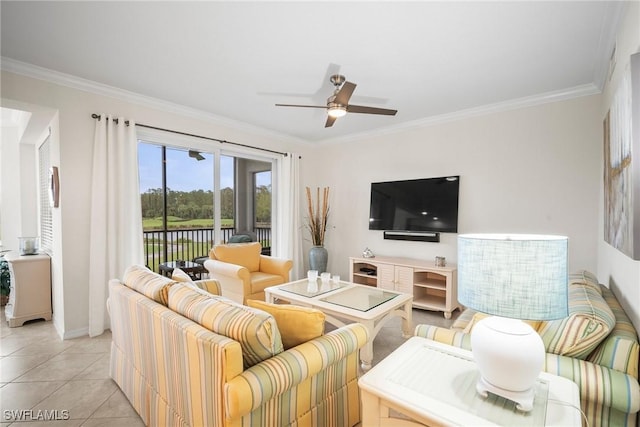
pixel 433 288
pixel 30 296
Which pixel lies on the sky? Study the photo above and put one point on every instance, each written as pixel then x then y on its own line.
pixel 184 173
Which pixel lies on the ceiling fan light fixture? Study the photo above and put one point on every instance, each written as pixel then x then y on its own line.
pixel 337 111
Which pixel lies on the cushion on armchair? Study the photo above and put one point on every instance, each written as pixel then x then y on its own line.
pixel 244 254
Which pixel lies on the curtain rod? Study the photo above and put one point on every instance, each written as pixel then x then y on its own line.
pixel 222 141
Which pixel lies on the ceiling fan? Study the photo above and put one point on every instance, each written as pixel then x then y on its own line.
pixel 338 103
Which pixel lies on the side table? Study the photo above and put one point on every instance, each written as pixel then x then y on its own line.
pixel 434 384
pixel 30 296
pixel 193 269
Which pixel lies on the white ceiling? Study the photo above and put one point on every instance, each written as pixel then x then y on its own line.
pixel 236 60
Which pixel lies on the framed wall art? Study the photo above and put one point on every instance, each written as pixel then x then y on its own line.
pixel 621 168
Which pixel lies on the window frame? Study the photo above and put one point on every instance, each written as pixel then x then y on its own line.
pixel 178 141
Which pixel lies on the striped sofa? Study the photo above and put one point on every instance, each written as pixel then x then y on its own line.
pixel 176 372
pixel 596 347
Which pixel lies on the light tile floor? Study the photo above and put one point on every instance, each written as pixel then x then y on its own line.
pixel 43 376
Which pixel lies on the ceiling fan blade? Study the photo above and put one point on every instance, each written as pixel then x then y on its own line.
pixel 370 110
pixel 330 121
pixel 196 155
pixel 304 106
pixel 345 92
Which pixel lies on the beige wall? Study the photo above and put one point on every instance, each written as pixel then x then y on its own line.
pixel 615 269
pixel 531 170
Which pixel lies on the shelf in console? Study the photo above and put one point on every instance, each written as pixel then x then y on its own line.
pixel 441 286
pixel 433 302
pixel 430 279
pixel 373 276
pixel 433 287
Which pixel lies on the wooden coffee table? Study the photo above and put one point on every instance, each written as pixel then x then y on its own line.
pixel 368 305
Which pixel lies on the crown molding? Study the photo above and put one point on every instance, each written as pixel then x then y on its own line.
pixel 40 73
pixel 514 104
pixel 74 82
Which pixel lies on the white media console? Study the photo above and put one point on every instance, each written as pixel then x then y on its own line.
pixel 432 287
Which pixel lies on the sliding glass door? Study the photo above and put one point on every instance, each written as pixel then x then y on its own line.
pixel 193 199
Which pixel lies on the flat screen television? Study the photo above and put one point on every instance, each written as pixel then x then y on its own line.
pixel 429 204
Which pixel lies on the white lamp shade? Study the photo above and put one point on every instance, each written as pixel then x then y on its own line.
pixel 520 276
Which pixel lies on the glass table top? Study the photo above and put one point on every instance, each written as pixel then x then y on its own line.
pixel 362 298
pixel 312 289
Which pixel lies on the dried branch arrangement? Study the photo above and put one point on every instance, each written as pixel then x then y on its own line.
pixel 318 215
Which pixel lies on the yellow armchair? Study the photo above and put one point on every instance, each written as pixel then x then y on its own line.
pixel 243 273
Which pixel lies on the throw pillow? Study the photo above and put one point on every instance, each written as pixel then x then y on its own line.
pixel 180 276
pixel 586 278
pixel 150 284
pixel 255 330
pixel 296 324
pixel 590 321
pixel 210 285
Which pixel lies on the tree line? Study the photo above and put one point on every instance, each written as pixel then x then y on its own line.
pixel 198 204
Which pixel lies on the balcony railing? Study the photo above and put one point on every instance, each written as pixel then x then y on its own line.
pixel 190 243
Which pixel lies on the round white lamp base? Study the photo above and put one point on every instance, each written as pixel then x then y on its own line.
pixel 510 355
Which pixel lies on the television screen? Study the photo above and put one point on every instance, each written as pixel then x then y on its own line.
pixel 429 204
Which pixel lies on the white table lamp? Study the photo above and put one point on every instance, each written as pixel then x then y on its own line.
pixel 512 277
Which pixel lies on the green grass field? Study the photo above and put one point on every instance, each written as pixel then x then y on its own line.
pixel 175 222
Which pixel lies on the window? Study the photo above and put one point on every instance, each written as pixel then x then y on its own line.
pixel 192 199
pixel 262 202
pixel 46 223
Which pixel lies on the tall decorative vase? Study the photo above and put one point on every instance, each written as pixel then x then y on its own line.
pixel 318 256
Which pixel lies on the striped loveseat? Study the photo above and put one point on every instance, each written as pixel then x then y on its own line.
pixel 596 347
pixel 177 372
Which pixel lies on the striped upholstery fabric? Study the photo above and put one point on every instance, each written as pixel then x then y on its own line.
pixel 209 285
pixel 607 397
pixel 175 372
pixel 255 330
pixel 463 319
pixel 165 364
pixel 620 350
pixel 445 336
pixel 607 379
pixel 584 277
pixel 305 368
pixel 590 321
pixel 148 283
